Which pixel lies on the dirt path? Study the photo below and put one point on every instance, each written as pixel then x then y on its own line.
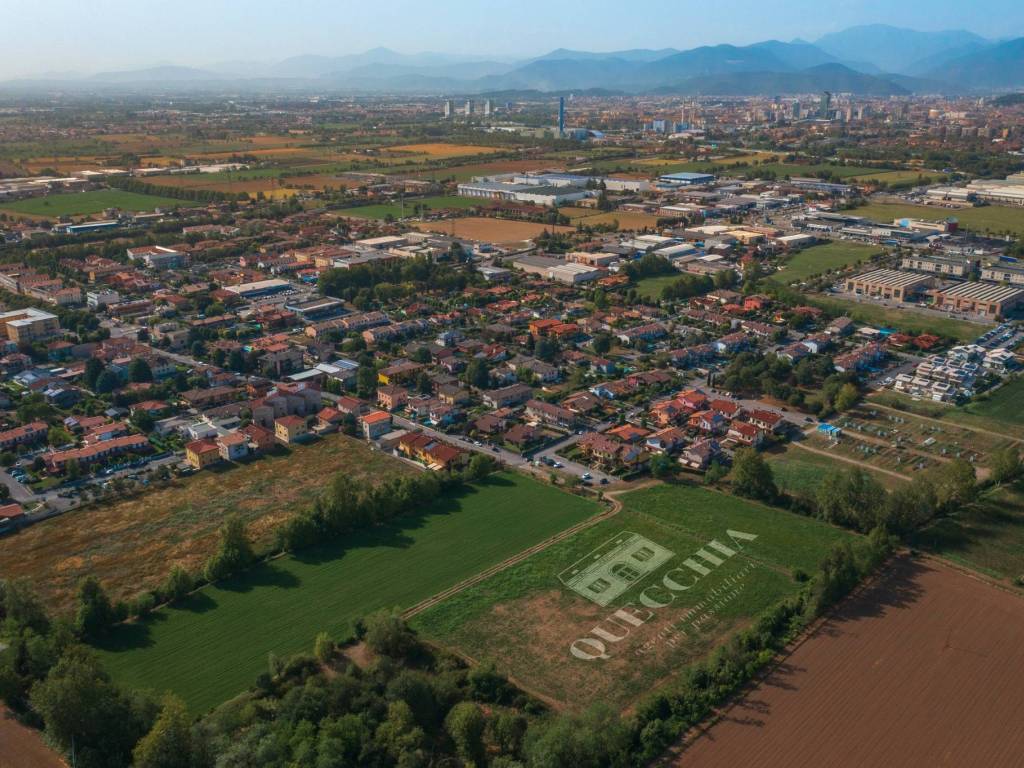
pixel 861 464
pixel 22 747
pixel 615 508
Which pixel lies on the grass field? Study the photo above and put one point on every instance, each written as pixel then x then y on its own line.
pixel 651 287
pixel 902 319
pixel 526 621
pixel 991 218
pixel 214 645
pixel 627 220
pixel 441 151
pixel 132 544
pixel 801 472
pixel 87 203
pixel 987 535
pixel 824 258
pixel 900 178
pixel 1004 405
pixel 395 209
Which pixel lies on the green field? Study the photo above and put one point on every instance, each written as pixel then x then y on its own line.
pixel 526 621
pixel 1012 426
pixel 214 645
pixel 903 319
pixel 991 219
pixel 87 203
pixel 987 535
pixel 651 287
pixel 1005 404
pixel 800 472
pixel 395 209
pixel 901 178
pixel 824 258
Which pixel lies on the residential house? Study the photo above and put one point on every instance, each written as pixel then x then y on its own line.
pixel 233 446
pixel 376 424
pixel 699 454
pixel 290 429
pixel 551 414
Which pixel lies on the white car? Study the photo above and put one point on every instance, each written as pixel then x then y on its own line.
pixel 587 476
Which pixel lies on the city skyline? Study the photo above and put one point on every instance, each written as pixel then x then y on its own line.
pixel 67 39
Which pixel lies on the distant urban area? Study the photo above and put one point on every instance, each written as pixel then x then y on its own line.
pixel 513 426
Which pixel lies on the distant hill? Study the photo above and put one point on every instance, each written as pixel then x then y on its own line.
pixel 825 77
pixel 893 49
pixel 636 54
pixel 998 66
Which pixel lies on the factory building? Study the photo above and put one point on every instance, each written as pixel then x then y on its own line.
pixel 888 284
pixel 983 299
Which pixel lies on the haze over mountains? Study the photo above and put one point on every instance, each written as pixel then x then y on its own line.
pixel 872 60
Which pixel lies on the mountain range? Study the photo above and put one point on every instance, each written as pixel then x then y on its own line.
pixel 872 60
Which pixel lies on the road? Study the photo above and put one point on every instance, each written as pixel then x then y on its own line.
pixel 574 467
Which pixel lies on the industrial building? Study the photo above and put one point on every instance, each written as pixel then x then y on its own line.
pixel 259 288
pixel 687 179
pixel 1003 273
pixel 983 299
pixel 1008 191
pixel 951 266
pixel 557 270
pixel 888 284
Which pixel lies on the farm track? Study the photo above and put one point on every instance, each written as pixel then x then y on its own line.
pixel 854 462
pixel 616 507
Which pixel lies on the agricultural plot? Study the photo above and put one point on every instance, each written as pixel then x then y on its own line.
pixel 131 545
pixel 545 622
pixel 900 178
pixel 1010 427
pixel 800 472
pixel 993 219
pixel 499 231
pixel 919 670
pixel 1003 405
pixel 876 453
pixel 88 203
pixel 651 287
pixel 628 221
pixel 214 645
pixel 820 259
pixel 441 151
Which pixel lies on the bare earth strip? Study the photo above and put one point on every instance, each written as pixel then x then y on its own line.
pixel 923 668
pixel 22 747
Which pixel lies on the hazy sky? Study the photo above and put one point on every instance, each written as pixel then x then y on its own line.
pixel 87 36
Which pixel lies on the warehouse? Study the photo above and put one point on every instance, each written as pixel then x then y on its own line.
pixel 888 284
pixel 687 179
pixel 983 299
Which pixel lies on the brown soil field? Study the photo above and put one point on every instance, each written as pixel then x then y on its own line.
pixel 489 230
pixel 131 545
pixel 628 220
pixel 923 668
pixel 210 182
pixel 22 747
pixel 320 181
pixel 444 151
pixel 483 169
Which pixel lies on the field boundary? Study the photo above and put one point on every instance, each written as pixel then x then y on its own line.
pixel 862 464
pixel 608 514
pixel 957 424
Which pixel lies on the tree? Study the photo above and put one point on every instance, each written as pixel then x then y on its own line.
pixel 143 421
pixel 323 647
pixel 662 465
pixel 93 368
pixel 852 498
pixel 956 484
pixel 169 742
pixel 80 706
pixel 388 635
pixel 95 613
pixel 846 398
pixel 107 382
pixel 56 436
pixel 477 374
pixel 139 371
pixel 366 381
pixel 1006 464
pixel 234 554
pixel 752 476
pixel 480 466
pixel 178 584
pixel 465 724
pixel 602 343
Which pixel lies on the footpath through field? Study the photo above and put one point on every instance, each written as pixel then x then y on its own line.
pixel 854 462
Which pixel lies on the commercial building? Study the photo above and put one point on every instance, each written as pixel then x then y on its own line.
pixel 888 284
pixel 158 257
pixel 983 299
pixel 687 179
pixel 952 266
pixel 1003 273
pixel 23 326
pixel 1009 191
pixel 101 298
pixel 258 288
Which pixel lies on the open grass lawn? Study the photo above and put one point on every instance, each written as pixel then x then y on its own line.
pixel 824 258
pixel 526 620
pixel 987 535
pixel 990 218
pixel 651 287
pixel 801 472
pixel 1003 405
pixel 902 319
pixel 87 203
pixel 213 646
pixel 901 178
pixel 437 203
pixel 131 545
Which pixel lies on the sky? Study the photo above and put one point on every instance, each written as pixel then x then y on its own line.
pixel 88 36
